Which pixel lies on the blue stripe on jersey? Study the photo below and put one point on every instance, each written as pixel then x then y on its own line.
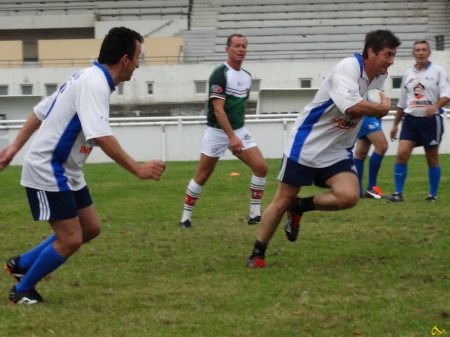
pixel 305 129
pixel 51 107
pixel 361 65
pixel 62 151
pixel 107 75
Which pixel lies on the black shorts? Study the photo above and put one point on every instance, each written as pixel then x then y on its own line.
pixel 295 174
pixel 423 131
pixel 64 205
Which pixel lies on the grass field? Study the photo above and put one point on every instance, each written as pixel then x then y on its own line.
pixel 379 269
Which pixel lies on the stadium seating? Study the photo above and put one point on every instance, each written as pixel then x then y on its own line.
pixel 296 29
pixel 105 10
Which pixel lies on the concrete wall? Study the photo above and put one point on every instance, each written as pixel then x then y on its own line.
pixel 147 28
pixel 176 83
pixel 48 21
pixel 179 138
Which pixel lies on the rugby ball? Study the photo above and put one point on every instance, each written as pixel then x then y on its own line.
pixel 373 95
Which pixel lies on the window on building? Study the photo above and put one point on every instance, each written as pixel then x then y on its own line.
pixel 256 85
pixel 50 89
pixel 149 88
pixel 396 82
pixel 200 87
pixel 3 90
pixel 120 89
pixel 27 89
pixel 440 42
pixel 305 83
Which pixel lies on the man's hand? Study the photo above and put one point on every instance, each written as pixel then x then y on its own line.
pixel 385 104
pixel 7 154
pixel 430 111
pixel 236 145
pixel 394 133
pixel 152 169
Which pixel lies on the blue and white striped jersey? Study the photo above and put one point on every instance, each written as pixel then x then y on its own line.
pixel 72 118
pixel 323 134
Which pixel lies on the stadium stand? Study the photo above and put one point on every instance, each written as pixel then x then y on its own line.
pixel 297 29
pixel 104 10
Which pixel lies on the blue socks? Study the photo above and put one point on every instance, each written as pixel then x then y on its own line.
pixel 359 164
pixel 400 172
pixel 47 261
pixel 27 259
pixel 434 176
pixel 374 168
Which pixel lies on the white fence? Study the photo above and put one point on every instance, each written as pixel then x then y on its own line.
pixel 179 138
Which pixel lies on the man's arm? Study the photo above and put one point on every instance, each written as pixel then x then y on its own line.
pixel 152 169
pixel 235 143
pixel 398 118
pixel 431 110
pixel 365 108
pixel 7 154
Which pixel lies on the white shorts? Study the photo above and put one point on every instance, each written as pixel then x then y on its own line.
pixel 215 142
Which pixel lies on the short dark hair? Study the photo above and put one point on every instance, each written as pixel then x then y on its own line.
pixel 420 42
pixel 379 39
pixel 234 35
pixel 118 42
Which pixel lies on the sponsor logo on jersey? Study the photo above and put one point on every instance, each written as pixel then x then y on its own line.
pixel 85 150
pixel 343 123
pixel 216 89
pixel 418 90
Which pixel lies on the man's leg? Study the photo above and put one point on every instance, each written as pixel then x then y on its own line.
pixel 17 266
pixel 89 223
pixel 343 193
pixel 205 168
pixel 254 159
pixel 269 222
pixel 361 151
pixel 69 239
pixel 378 139
pixel 434 172
pixel 405 148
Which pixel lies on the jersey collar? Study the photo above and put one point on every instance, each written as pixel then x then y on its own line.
pixel 426 67
pixel 107 75
pixel 362 73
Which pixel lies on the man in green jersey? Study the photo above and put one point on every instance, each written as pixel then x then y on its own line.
pixel 229 88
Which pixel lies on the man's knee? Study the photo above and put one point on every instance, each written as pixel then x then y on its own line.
pixel 91 233
pixel 347 200
pixel 261 170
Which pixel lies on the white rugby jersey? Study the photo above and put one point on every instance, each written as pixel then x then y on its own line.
pixel 71 118
pixel 323 134
pixel 422 88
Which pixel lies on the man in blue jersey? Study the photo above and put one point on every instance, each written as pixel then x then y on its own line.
pixel 370 133
pixel 229 88
pixel 424 91
pixel 71 122
pixel 317 151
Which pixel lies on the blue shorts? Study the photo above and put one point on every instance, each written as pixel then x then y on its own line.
pixel 57 205
pixel 369 125
pixel 295 174
pixel 424 131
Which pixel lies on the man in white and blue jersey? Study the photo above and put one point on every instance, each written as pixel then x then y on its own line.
pixel 424 91
pixel 71 122
pixel 319 148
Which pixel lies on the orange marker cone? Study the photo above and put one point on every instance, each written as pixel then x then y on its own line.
pixel 234 174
